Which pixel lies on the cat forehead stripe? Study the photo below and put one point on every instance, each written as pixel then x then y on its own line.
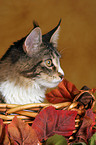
pixel 51 48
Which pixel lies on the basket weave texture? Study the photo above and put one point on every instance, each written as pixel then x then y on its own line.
pixel 28 112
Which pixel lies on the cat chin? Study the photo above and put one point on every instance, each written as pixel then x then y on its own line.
pixel 45 84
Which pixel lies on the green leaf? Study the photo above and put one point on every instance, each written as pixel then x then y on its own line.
pixel 92 141
pixel 56 140
pixel 79 143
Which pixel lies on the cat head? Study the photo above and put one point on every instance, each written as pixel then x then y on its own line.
pixel 42 58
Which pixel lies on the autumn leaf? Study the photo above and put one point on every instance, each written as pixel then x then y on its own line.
pixel 51 121
pixel 65 92
pixel 21 133
pixel 4 139
pixel 85 97
pixel 86 130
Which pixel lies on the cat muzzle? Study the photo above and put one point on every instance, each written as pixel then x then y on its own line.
pixel 61 75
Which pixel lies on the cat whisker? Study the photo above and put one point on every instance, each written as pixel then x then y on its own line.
pixel 62 50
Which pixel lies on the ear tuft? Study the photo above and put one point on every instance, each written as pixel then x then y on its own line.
pixel 33 41
pixel 35 24
pixel 52 36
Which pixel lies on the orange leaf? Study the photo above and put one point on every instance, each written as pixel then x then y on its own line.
pixel 22 133
pixel 65 92
pixel 4 139
pixel 86 130
pixel 51 121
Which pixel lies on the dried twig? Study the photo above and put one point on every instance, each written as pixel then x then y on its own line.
pixel 30 106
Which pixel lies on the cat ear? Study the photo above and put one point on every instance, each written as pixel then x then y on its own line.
pixel 52 36
pixel 55 36
pixel 33 41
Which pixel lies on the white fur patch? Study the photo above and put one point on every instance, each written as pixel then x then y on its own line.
pixel 60 69
pixel 16 94
pixel 57 64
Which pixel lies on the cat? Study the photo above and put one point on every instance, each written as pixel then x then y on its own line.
pixel 29 67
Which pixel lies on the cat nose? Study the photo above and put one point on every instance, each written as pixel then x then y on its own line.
pixel 61 75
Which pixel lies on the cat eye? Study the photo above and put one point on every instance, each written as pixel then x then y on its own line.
pixel 49 62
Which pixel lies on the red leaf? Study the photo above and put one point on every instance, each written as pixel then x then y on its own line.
pixel 51 121
pixel 22 133
pixel 85 132
pixel 55 97
pixel 70 87
pixel 66 91
pixel 91 115
pixel 4 139
pixel 45 123
pixel 66 122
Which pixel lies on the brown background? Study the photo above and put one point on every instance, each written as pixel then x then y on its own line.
pixel 77 36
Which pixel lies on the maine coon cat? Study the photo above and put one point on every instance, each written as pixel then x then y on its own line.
pixel 29 67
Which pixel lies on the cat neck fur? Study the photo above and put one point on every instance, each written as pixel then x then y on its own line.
pixel 23 93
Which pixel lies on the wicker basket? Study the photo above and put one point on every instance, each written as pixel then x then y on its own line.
pixel 28 112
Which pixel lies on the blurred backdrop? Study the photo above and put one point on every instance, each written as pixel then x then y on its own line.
pixel 77 41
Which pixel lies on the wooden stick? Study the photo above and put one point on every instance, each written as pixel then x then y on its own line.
pixel 8 105
pixel 61 105
pixel 35 109
pixel 71 138
pixel 73 105
pixel 10 117
pixel 27 113
pixel 79 111
pixel 8 122
pixel 77 120
pixel 29 122
pixel 25 107
pixel 3 110
pixel 28 106
pixel 74 131
pixel 3 105
pixel 77 125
